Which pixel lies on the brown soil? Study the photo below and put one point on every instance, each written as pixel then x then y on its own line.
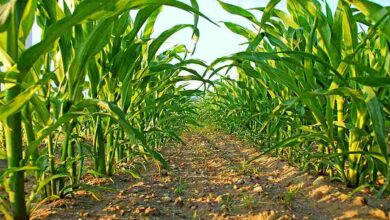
pixel 209 180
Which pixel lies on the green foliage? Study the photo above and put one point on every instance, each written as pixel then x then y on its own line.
pixel 96 87
pixel 181 188
pixel 312 87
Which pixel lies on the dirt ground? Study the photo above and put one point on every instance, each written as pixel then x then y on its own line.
pixel 209 180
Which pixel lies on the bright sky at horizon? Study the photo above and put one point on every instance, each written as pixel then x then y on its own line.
pixel 215 41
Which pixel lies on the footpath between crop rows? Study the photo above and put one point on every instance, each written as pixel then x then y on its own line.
pixel 209 179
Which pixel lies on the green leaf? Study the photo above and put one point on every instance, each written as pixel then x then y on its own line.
pixel 376 13
pixel 268 12
pixel 6 7
pixel 95 42
pixel 18 102
pixel 240 30
pixel 373 81
pixel 236 10
pixel 143 15
pixel 377 117
pixel 27 20
pixel 158 42
pixel 115 113
pixel 94 10
pixel 196 33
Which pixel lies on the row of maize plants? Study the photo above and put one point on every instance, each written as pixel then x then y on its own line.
pixel 96 87
pixel 312 87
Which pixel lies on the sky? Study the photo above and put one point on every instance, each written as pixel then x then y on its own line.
pixel 215 41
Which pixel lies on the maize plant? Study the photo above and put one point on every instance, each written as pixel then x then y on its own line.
pixel 313 86
pixel 100 87
pixel 96 86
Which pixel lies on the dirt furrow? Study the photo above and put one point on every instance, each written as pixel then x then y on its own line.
pixel 210 179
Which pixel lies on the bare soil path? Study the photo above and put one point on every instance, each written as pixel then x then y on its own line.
pixel 209 180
